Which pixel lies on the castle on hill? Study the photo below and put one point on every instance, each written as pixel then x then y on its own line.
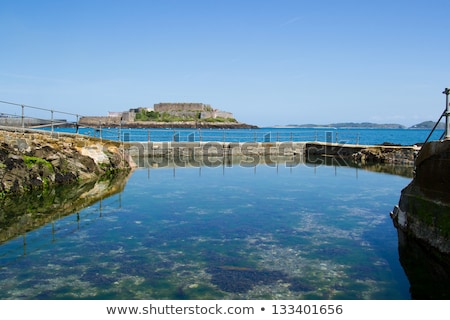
pixel 182 110
pixel 187 109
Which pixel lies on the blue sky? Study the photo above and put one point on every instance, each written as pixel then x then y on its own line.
pixel 269 62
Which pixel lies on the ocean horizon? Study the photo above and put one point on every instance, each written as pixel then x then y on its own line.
pixel 361 136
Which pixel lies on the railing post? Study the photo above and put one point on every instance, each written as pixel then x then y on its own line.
pixel 23 117
pixel 52 120
pixel 447 115
pixel 120 129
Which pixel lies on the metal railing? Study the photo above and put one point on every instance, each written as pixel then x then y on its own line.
pixel 31 117
pixel 216 135
pixel 446 113
pixel 34 117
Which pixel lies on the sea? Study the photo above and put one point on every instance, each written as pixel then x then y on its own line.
pixel 224 232
pixel 361 136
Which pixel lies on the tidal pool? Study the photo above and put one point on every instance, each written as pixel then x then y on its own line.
pixel 226 232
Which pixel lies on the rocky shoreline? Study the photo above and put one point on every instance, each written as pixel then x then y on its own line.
pixel 35 161
pixel 115 123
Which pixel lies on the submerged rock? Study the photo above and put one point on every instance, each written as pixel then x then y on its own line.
pixel 238 279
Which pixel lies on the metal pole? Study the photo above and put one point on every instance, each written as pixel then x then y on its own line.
pixel 23 117
pixel 447 115
pixel 120 129
pixel 52 121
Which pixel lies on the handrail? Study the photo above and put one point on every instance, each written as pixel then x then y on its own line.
pixel 435 126
pixel 446 114
pixel 52 121
pixel 39 108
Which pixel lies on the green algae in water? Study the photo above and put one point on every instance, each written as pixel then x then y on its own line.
pixel 220 233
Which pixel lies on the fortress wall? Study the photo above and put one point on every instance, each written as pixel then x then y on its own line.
pixel 99 121
pixel 169 107
pixel 216 114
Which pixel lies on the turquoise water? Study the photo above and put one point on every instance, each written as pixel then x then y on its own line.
pixel 341 135
pixel 220 233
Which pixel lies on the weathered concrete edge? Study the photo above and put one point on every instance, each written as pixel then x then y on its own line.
pixel 402 155
pixel 423 211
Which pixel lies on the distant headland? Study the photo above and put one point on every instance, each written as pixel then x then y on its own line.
pixel 369 125
pixel 168 115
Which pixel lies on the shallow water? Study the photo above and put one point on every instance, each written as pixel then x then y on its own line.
pixel 220 233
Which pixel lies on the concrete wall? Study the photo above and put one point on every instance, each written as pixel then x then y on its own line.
pixel 216 114
pixel 424 207
pixel 128 116
pixel 28 122
pixel 99 121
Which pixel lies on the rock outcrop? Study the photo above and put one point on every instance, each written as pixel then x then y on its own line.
pixel 115 122
pixel 385 154
pixel 32 160
pixel 388 154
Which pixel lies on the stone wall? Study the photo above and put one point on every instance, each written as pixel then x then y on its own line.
pixel 216 114
pixel 182 106
pixel 97 122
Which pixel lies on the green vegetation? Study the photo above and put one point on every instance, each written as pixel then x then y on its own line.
pixel 179 117
pixel 32 161
pixel 208 107
pixel 166 117
pixel 432 214
pixel 147 116
pixel 219 119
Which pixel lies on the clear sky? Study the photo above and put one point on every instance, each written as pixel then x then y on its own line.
pixel 268 62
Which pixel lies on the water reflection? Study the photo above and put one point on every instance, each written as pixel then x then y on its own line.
pixel 254 161
pixel 428 271
pixel 19 215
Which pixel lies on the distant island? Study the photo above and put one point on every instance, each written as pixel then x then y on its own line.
pixel 168 115
pixel 369 125
pixel 428 125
